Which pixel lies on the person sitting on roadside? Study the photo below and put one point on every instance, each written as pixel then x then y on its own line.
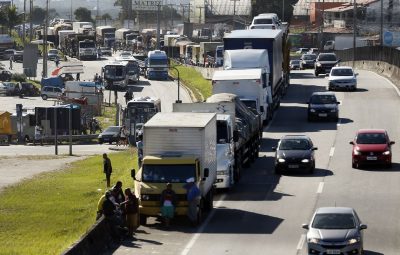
pixel 100 205
pixel 111 216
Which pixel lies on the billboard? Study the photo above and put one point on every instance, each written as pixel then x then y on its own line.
pixel 146 5
pixel 391 38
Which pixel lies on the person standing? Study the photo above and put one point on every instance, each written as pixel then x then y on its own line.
pixel 168 203
pixel 11 62
pixel 107 168
pixel 57 61
pixel 139 146
pixel 38 135
pixel 193 198
pixel 131 211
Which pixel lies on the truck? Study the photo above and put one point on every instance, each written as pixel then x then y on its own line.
pixel 78 26
pixel 275 42
pixel 105 35
pixel 87 49
pixel 207 52
pixel 156 65
pixel 177 147
pixel 6 42
pixel 81 46
pixel 342 42
pixel 62 34
pixel 219 56
pixel 248 84
pixel 239 62
pixel 120 34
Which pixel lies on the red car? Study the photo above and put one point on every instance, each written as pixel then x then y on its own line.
pixel 371 146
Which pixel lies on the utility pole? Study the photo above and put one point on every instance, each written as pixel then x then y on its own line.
pixel 234 13
pixel 189 13
pixel 200 7
pixel 44 74
pixel 171 12
pixel 158 26
pixel 283 10
pixel 381 35
pixel 30 21
pixel 23 25
pixel 71 12
pixel 355 30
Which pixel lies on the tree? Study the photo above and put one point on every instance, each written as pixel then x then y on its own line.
pixel 106 17
pixel 274 6
pixel 38 14
pixel 83 14
pixel 53 14
pixel 11 17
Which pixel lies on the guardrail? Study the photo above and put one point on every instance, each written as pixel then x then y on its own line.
pixel 371 53
pixel 74 137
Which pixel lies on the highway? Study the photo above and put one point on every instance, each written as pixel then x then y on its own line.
pixel 264 212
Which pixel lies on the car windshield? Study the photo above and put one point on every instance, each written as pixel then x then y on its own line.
pixel 295 61
pixel 294 144
pixel 342 72
pixel 323 99
pixel 327 57
pixel 263 21
pixel 53 51
pixel 371 138
pixel 334 221
pixel 112 129
pixel 168 173
pixel 309 57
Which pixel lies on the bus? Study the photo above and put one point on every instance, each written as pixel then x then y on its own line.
pixel 132 69
pixel 115 75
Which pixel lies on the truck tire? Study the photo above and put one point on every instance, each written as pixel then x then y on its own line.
pixel 238 168
pixel 209 201
pixel 143 220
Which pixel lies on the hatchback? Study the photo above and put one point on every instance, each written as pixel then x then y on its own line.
pixel 50 92
pixel 335 230
pixel 323 105
pixel 371 146
pixel 342 77
pixel 294 152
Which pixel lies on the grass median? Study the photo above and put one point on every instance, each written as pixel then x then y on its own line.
pixel 48 213
pixel 194 81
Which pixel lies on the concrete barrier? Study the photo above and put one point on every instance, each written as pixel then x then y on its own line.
pixel 95 241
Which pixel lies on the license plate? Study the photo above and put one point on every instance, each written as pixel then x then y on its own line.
pixel 322 114
pixel 372 158
pixel 333 252
pixel 293 166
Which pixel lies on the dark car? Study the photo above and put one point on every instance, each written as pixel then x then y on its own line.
pixel 307 61
pixel 5 75
pixel 7 54
pixel 52 54
pixel 294 152
pixel 110 135
pixel 323 105
pixel 335 230
pixel 371 146
pixel 18 56
pixel 294 64
pixel 324 63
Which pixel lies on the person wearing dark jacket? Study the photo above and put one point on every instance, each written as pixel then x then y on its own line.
pixel 109 212
pixel 131 211
pixel 107 168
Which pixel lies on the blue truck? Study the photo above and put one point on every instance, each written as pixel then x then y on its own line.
pixel 156 65
pixel 274 41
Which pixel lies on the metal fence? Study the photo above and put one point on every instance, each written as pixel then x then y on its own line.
pixel 371 53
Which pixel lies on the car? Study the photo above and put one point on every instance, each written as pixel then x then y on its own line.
pixel 294 152
pixel 335 230
pixel 125 54
pixel 371 146
pixel 110 135
pixel 105 51
pixel 18 56
pixel 50 92
pixel 13 88
pixel 302 50
pixel 52 54
pixel 266 21
pixel 324 63
pixel 3 89
pixel 294 64
pixel 307 61
pixel 313 51
pixel 7 54
pixel 342 77
pixel 323 105
pixel 5 75
pixel 28 89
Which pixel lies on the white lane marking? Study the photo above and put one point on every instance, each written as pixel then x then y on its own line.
pixel 320 187
pixel 301 242
pixel 332 151
pixel 389 81
pixel 196 236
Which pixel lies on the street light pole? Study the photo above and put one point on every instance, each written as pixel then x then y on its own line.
pixel 44 73
pixel 381 35
pixel 179 85
pixel 283 10
pixel 354 30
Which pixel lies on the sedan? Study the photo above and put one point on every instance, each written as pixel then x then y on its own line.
pixel 323 105
pixel 307 61
pixel 110 135
pixel 294 152
pixel 342 77
pixel 52 54
pixel 372 146
pixel 335 230
pixel 18 56
pixel 294 64
pixel 302 50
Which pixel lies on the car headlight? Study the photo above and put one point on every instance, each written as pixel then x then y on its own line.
pixel 281 160
pixel 305 160
pixel 314 240
pixel 319 64
pixel 386 153
pixel 353 240
pixel 145 197
pixel 333 110
pixel 357 152
pixel 312 110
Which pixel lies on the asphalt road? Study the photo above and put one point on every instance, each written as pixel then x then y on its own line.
pixel 264 212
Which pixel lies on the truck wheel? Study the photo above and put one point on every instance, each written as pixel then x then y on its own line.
pixel 143 220
pixel 209 203
pixel 238 169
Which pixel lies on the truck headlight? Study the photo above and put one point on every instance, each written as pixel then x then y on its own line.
pixel 319 64
pixel 223 172
pixel 333 110
pixel 145 197
pixel 312 110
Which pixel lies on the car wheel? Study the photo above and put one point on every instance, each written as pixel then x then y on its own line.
pixel 316 74
pixel 44 97
pixel 312 168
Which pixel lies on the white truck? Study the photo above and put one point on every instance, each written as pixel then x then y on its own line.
pixel 177 146
pixel 246 68
pixel 62 34
pixel 225 137
pixel 343 42
pixel 78 26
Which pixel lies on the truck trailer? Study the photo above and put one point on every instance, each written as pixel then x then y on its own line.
pixel 177 147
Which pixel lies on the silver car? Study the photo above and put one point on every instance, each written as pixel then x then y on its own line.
pixel 342 77
pixel 335 230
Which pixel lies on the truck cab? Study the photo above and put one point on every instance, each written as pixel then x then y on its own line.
pixel 87 49
pixel 157 65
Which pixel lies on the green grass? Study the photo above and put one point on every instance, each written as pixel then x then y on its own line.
pixel 108 117
pixel 200 87
pixel 48 213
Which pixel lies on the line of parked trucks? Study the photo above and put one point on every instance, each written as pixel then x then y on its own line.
pixel 212 141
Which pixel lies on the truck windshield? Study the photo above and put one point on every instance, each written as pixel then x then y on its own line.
pixel 158 62
pixel 263 21
pixel 252 104
pixel 85 45
pixel 112 72
pixel 168 173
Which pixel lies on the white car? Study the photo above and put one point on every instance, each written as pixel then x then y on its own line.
pixel 342 77
pixel 266 21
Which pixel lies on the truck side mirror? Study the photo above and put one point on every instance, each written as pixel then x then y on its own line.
pixel 235 136
pixel 206 172
pixel 261 108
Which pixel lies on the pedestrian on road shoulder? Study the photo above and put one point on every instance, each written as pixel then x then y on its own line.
pixel 107 168
pixel 131 211
pixel 193 198
pixel 139 146
pixel 168 203
pixel 11 62
pixel 57 61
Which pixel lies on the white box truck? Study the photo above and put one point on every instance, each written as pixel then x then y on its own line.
pixel 248 84
pixel 177 146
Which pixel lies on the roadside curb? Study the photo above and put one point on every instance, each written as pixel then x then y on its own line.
pixel 115 148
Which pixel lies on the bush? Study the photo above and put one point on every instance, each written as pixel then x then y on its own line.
pixel 20 77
